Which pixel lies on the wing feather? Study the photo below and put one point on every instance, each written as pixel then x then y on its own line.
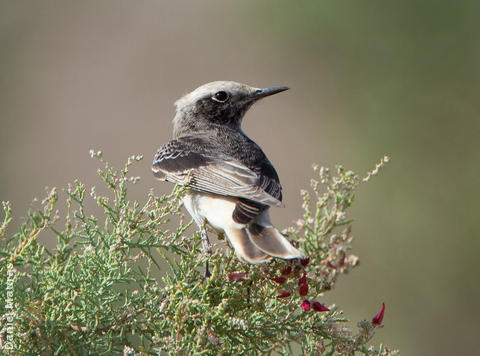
pixel 179 162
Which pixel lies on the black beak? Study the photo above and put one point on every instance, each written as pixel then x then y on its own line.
pixel 262 93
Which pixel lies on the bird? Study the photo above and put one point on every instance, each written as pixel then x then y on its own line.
pixel 231 184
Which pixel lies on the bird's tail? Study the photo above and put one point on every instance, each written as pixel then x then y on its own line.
pixel 258 244
pixel 244 248
pixel 270 241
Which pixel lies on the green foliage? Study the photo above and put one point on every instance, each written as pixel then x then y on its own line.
pixel 100 291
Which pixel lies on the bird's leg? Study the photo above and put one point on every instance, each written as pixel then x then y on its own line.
pixel 206 248
pixel 205 242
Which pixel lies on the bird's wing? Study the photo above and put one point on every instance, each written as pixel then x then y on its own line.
pixel 183 163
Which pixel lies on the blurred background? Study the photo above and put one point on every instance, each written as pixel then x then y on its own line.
pixel 367 78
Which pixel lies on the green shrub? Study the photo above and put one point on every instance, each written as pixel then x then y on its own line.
pixel 122 282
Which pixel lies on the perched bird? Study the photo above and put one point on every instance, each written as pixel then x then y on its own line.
pixel 231 182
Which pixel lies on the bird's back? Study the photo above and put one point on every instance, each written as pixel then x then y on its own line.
pixel 234 144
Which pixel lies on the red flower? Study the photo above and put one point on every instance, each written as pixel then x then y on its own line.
pixel 305 261
pixel 279 280
pixel 287 271
pixel 302 280
pixel 236 275
pixel 284 294
pixel 303 285
pixel 319 307
pixel 377 319
pixel 303 289
pixel 305 305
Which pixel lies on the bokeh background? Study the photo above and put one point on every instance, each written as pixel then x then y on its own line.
pixel 368 78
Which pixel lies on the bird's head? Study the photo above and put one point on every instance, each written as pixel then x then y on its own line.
pixel 221 102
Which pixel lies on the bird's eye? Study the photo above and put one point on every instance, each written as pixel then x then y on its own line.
pixel 220 96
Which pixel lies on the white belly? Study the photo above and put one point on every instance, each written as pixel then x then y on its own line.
pixel 216 210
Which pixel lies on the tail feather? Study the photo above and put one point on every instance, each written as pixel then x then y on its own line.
pixel 270 241
pixel 244 248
